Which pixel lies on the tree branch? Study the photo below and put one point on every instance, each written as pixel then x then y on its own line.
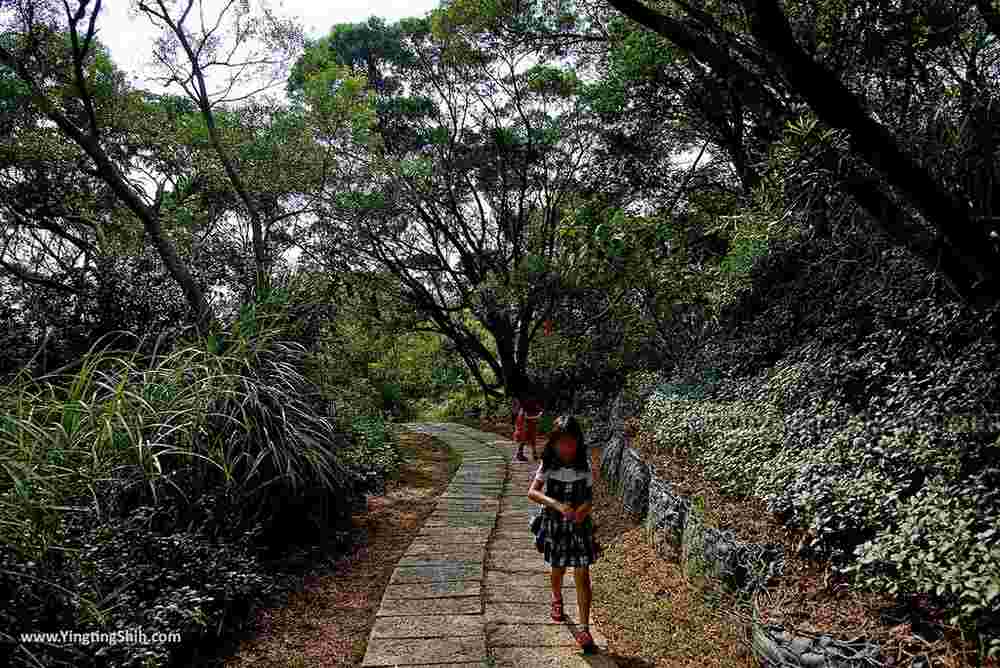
pixel 990 15
pixel 838 107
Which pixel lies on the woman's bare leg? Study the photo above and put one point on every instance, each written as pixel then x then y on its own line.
pixel 557 580
pixel 583 594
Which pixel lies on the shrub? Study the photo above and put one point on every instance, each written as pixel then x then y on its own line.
pixel 861 406
pixel 128 576
pixel 733 441
pixel 375 452
pixel 392 397
pixel 159 481
pixel 947 543
pixel 456 403
pixel 349 402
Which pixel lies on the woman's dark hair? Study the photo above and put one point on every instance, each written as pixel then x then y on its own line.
pixel 565 425
pixel 519 388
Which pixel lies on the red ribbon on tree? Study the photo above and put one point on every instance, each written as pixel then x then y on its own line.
pixel 548 328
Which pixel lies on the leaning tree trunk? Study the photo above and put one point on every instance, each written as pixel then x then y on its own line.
pixel 966 256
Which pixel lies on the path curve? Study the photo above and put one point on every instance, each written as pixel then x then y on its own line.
pixel 471 590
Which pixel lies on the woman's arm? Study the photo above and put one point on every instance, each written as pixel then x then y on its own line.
pixel 586 506
pixel 535 494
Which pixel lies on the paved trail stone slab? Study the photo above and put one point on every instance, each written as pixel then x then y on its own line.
pixel 436 626
pixel 411 652
pixel 529 593
pixel 454 598
pixel 475 490
pixel 515 545
pixel 460 533
pixel 425 574
pixel 469 505
pixel 458 522
pixel 479 477
pixel 514 524
pixel 500 579
pixel 549 657
pixel 517 562
pixel 431 562
pixel 525 613
pixel 449 551
pixel 534 635
pixel 444 589
pixel 463 496
pixel 521 533
pixel 422 607
pixel 444 541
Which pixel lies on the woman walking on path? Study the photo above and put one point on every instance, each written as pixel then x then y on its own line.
pixel 526 431
pixel 564 530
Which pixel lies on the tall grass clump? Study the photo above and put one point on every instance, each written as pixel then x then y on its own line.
pixel 141 490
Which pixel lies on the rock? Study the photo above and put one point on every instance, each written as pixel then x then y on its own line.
pixel 799 646
pixel 635 483
pixel 611 459
pixel 812 660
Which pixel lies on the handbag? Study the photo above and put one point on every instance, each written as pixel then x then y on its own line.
pixel 538 530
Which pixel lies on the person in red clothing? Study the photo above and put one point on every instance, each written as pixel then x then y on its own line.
pixel 530 413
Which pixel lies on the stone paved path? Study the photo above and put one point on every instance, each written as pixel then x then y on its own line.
pixel 472 591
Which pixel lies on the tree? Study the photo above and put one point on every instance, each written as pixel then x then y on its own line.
pixel 904 124
pixel 461 191
pixel 957 245
pixel 71 82
pixel 249 48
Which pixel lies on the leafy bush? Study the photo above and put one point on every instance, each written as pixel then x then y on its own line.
pixel 375 452
pixel 159 481
pixel 455 404
pixel 946 543
pixel 638 387
pixel 733 441
pixel 861 406
pixel 349 402
pixel 392 396
pixel 128 576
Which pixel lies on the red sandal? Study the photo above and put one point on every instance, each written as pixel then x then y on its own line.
pixel 586 641
pixel 558 614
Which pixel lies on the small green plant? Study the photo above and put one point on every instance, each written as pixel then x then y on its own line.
pixel 693 541
pixel 376 448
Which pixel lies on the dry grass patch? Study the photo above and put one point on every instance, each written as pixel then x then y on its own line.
pixel 649 610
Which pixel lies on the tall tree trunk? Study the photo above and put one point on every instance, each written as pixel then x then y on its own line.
pixel 965 252
pixel 204 102
pixel 961 252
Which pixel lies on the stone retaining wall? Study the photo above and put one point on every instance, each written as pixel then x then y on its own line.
pixel 674 525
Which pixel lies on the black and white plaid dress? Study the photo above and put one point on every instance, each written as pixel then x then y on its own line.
pixel 565 542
